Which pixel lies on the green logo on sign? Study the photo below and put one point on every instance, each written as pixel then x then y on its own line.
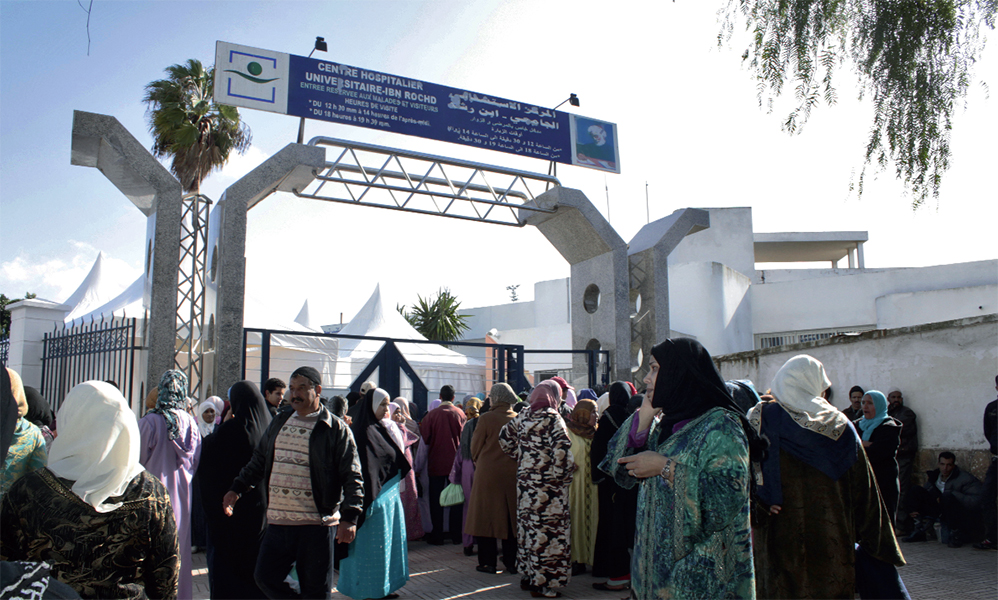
pixel 254 69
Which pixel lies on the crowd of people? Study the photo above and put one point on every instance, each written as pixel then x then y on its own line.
pixel 692 487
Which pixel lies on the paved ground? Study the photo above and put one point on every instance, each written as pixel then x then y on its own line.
pixel 444 573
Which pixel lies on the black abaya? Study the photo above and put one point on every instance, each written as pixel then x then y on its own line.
pixel 234 541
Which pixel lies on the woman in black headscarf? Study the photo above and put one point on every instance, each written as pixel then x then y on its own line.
pixel 687 449
pixel 39 413
pixel 615 531
pixel 378 562
pixel 233 542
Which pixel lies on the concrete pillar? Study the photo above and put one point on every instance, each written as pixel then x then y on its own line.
pixel 101 141
pixel 648 268
pixel 292 168
pixel 30 320
pixel 599 280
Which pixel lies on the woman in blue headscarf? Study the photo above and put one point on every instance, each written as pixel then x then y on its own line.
pixel 881 436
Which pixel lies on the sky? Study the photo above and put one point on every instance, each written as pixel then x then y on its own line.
pixel 691 133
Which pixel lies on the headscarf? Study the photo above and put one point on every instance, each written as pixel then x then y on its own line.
pixel 547 394
pixel 570 399
pixel 381 458
pixel 502 393
pixel 464 401
pixel 603 402
pixel 8 414
pixel 98 445
pixel 220 406
pixel 797 387
pixel 400 404
pixel 688 384
pixel 204 426
pixel 464 447
pixel 472 406
pixel 562 384
pixel 249 412
pixel 800 422
pixel 588 394
pixel 18 389
pixel 635 403
pixel 172 396
pixel 39 411
pixel 582 421
pixel 744 394
pixel 866 426
pixel 434 404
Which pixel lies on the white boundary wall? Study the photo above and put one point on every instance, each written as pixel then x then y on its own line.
pixel 945 370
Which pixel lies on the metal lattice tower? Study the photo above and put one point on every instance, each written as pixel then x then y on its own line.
pixel 189 356
pixel 382 177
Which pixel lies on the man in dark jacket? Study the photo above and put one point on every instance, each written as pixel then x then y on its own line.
pixel 991 478
pixel 952 496
pixel 308 461
pixel 907 451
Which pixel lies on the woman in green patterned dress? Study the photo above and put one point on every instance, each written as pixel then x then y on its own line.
pixel 688 450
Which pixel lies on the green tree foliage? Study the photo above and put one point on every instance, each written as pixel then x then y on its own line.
pixel 437 319
pixel 5 314
pixel 912 57
pixel 186 123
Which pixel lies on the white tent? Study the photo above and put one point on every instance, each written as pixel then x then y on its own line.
pixel 287 351
pixel 96 297
pixel 434 364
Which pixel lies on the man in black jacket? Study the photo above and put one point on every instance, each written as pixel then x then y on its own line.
pixel 991 478
pixel 907 451
pixel 308 461
pixel 950 495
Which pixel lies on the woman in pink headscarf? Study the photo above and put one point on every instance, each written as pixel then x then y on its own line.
pixel 399 411
pixel 538 441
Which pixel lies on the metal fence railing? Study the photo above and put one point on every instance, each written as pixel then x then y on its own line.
pixel 105 350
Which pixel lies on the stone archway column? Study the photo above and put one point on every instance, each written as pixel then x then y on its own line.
pixel 101 141
pixel 599 277
pixel 293 167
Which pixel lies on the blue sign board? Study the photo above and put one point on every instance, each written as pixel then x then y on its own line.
pixel 329 91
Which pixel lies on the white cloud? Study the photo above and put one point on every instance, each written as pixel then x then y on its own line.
pixel 57 277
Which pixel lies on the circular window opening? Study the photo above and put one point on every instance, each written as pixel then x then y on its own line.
pixel 590 298
pixel 593 344
pixel 214 263
pixel 148 258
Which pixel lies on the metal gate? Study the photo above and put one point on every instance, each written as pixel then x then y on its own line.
pixel 105 350
pixel 268 352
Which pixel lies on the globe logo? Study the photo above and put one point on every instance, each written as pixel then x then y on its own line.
pixel 255 70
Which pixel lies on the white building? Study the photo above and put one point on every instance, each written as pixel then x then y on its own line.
pixel 719 295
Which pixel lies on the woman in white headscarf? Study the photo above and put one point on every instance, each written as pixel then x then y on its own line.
pixel 818 497
pixel 206 417
pixel 103 522
pixel 378 561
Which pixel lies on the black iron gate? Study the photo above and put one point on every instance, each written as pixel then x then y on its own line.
pixel 104 350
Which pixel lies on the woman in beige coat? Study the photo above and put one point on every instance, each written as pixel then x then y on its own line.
pixel 492 512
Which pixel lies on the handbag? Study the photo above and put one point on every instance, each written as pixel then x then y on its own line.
pixel 452 495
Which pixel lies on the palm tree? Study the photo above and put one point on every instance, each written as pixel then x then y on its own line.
pixel 186 123
pixel 439 319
